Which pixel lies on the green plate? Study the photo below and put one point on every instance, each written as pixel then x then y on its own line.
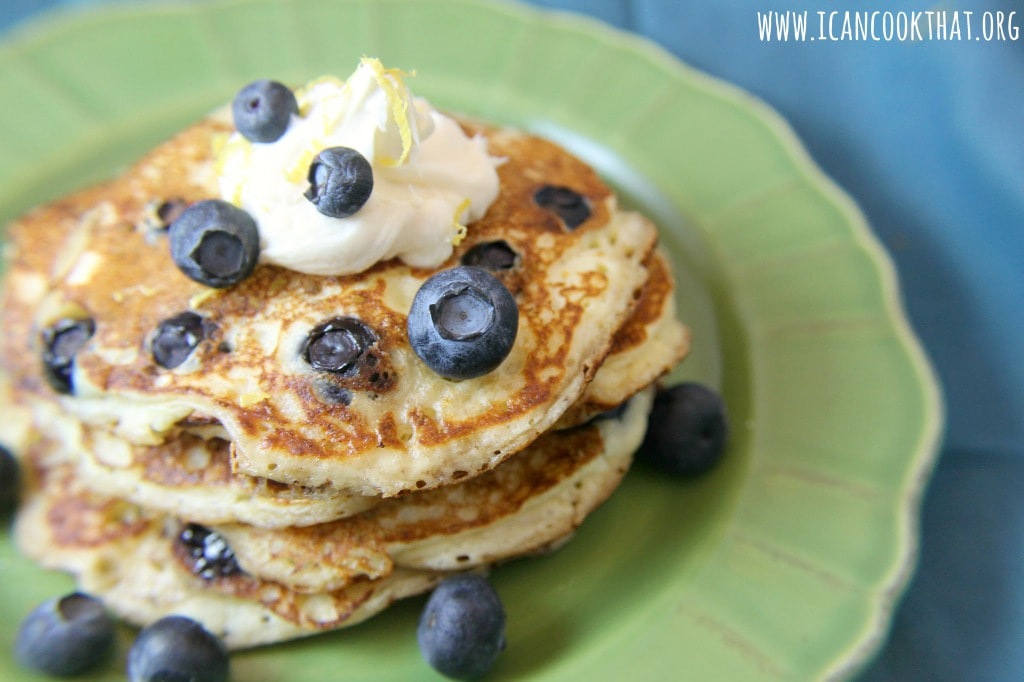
pixel 787 560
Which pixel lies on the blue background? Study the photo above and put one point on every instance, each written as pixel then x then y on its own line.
pixel 928 137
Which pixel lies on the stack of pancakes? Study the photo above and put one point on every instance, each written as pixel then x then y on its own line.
pixel 269 500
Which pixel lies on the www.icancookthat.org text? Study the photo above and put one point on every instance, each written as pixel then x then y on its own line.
pixel 889 26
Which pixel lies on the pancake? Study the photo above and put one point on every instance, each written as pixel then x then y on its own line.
pixel 302 581
pixel 650 343
pixel 531 501
pixel 190 473
pixel 126 557
pixel 390 428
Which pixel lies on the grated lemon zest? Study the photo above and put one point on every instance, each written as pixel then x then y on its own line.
pixel 399 105
pixel 300 171
pixel 218 142
pixel 229 147
pixel 302 94
pixel 460 229
pixel 201 297
pixel 220 152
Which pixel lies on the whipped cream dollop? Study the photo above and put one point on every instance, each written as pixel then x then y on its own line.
pixel 429 178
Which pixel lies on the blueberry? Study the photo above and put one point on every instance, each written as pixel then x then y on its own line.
pixel 462 628
pixel 10 481
pixel 65 636
pixel 567 204
pixel 463 322
pixel 169 211
pixel 61 341
pixel 496 255
pixel 338 345
pixel 263 109
pixel 687 430
pixel 209 552
pixel 176 338
pixel 177 649
pixel 160 213
pixel 215 243
pixel 340 182
pixel 331 394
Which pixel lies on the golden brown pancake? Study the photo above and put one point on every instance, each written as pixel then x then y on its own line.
pixel 650 343
pixel 394 425
pixel 190 473
pixel 301 581
pixel 534 499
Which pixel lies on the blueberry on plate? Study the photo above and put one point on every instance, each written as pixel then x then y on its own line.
pixel 61 341
pixel 65 636
pixel 461 631
pixel 215 243
pixel 495 255
pixel 263 109
pixel 176 338
pixel 10 481
pixel 687 430
pixel 463 322
pixel 177 648
pixel 569 205
pixel 340 182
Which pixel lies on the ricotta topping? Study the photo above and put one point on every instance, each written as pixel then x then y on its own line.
pixel 429 178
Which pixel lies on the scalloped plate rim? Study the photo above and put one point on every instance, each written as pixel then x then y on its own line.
pixel 39 28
